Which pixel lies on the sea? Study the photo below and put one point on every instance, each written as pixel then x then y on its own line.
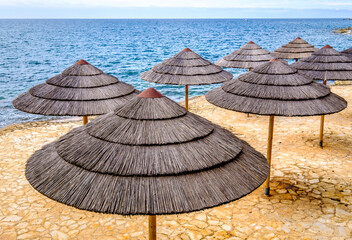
pixel 34 50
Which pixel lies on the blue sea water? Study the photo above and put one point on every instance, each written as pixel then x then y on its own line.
pixel 32 51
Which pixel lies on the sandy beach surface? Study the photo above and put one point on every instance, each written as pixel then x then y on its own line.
pixel 311 187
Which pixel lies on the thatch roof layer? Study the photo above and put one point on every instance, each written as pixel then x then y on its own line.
pixel 186 68
pixel 249 56
pixel 80 90
pixel 296 49
pixel 52 92
pixel 147 160
pixel 150 109
pixel 347 52
pixel 31 104
pixel 117 129
pixel 158 164
pixel 268 90
pixel 309 91
pixel 326 62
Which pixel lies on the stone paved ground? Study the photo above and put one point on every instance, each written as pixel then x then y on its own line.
pixel 311 187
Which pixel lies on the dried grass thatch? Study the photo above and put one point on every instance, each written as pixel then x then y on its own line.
pixel 276 89
pixel 148 157
pixel 186 68
pixel 80 90
pixel 249 56
pixel 295 49
pixel 326 63
pixel 347 52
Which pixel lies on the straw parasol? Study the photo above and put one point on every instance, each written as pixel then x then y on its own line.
pixel 295 49
pixel 325 64
pixel 276 89
pixel 148 157
pixel 80 90
pixel 186 68
pixel 347 52
pixel 249 56
pixel 326 61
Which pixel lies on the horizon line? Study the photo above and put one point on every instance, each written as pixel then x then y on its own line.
pixel 174 18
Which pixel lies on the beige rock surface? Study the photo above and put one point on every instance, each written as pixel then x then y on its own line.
pixel 311 187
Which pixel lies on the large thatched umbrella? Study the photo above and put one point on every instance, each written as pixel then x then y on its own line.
pixel 347 52
pixel 186 68
pixel 325 64
pixel 149 157
pixel 249 56
pixel 295 49
pixel 80 90
pixel 276 89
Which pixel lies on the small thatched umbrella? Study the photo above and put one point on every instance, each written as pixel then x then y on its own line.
pixel 325 64
pixel 347 52
pixel 249 56
pixel 276 89
pixel 186 68
pixel 149 157
pixel 295 49
pixel 80 90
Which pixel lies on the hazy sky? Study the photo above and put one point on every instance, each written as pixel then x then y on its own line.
pixel 295 4
pixel 157 8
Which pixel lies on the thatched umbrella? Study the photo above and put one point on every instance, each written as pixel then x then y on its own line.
pixel 148 157
pixel 325 64
pixel 186 68
pixel 295 49
pixel 276 89
pixel 347 52
pixel 249 56
pixel 80 90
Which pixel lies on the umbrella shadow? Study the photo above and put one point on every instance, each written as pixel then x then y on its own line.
pixel 331 141
pixel 313 192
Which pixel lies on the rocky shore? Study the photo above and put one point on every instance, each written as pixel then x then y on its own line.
pixel 311 187
pixel 347 30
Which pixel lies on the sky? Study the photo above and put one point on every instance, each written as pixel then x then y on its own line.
pixel 175 9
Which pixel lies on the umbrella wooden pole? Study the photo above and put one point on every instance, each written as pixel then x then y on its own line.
pixel 268 156
pixel 152 227
pixel 322 120
pixel 321 135
pixel 186 97
pixel 85 120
